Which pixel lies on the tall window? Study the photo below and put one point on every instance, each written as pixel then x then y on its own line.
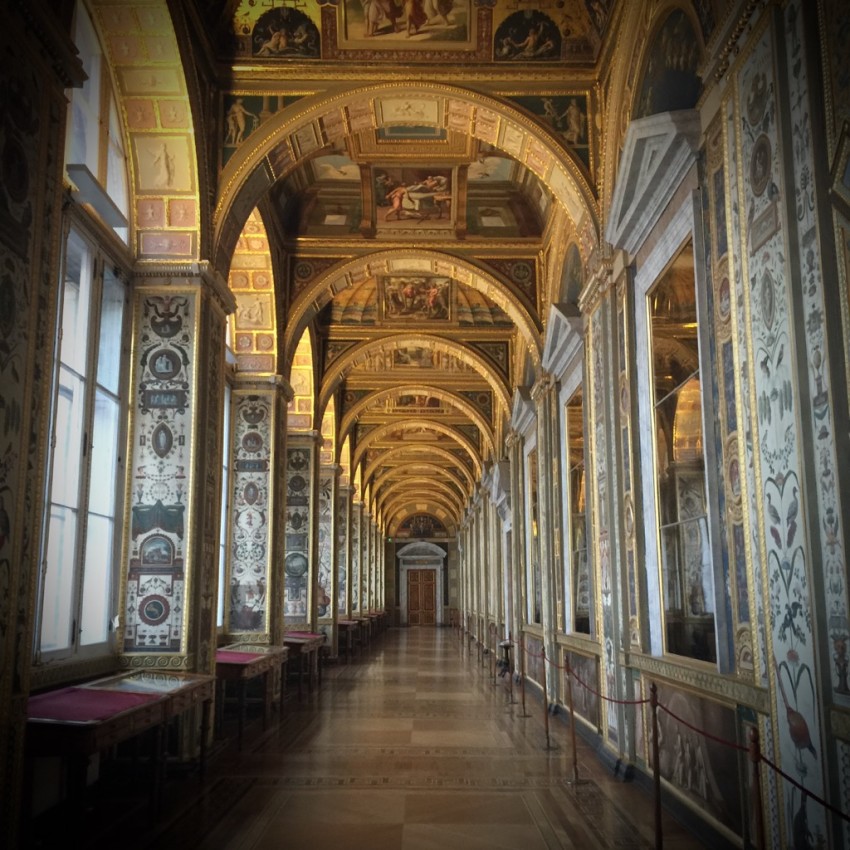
pixel 223 589
pixel 686 563
pixel 94 148
pixel 82 542
pixel 577 532
pixel 535 589
pixel 80 548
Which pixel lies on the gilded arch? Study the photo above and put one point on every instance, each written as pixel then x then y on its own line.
pixel 453 399
pixel 437 427
pixel 309 302
pixel 359 353
pixel 284 140
pixel 433 453
pixel 425 485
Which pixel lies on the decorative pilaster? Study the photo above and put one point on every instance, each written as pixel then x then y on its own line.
pixel 257 434
pixel 344 549
pixel 355 594
pixel 602 412
pixel 171 574
pixel 544 393
pixel 327 579
pixel 513 443
pixel 301 561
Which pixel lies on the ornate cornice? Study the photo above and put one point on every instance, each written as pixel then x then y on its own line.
pixel 247 381
pixel 600 278
pixel 188 275
pixel 709 682
pixel 732 47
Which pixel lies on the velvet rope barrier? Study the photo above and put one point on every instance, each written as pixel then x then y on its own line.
pixel 753 750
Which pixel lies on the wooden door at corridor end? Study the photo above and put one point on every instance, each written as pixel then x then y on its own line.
pixel 421 597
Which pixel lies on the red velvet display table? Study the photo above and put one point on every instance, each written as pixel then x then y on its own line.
pixel 305 646
pixel 350 632
pixel 241 663
pixel 79 721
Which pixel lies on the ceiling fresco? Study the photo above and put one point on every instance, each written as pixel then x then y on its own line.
pixel 412 232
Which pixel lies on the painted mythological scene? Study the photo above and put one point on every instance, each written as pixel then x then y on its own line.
pixel 405 196
pixel 414 298
pixel 405 23
pixel 702 769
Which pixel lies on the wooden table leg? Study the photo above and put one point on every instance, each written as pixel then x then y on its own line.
pixel 206 708
pixel 241 710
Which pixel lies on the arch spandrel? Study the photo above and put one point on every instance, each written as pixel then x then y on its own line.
pixel 314 123
pixel 155 102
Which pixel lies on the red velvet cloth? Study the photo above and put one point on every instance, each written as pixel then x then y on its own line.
pixel 84 705
pixel 227 656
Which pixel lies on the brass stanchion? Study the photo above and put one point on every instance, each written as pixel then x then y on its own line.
pixel 545 696
pixel 656 767
pixel 510 669
pixel 522 671
pixel 493 652
pixel 755 789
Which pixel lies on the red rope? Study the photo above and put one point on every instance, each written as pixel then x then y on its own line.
pixel 702 732
pixel 715 738
pixel 606 698
pixel 808 793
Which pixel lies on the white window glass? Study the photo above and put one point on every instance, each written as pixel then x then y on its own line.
pixel 686 564
pixel 80 561
pixel 577 480
pixel 116 162
pixel 83 144
pixel 111 322
pixel 225 503
pixel 535 590
pixel 58 590
pixel 94 136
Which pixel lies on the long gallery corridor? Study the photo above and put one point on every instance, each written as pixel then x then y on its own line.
pixel 410 747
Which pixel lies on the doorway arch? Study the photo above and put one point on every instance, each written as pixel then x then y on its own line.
pixel 424 557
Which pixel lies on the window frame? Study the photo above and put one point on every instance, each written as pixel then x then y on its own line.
pixel 106 253
pixel 684 227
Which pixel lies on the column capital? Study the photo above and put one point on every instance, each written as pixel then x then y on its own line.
pixel 193 275
pixel 544 385
pixel 248 381
pixel 512 439
pixel 604 267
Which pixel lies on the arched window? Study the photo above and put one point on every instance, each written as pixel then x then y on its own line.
pixel 81 535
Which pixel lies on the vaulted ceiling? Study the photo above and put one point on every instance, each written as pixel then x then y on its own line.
pixel 414 228
pixel 402 190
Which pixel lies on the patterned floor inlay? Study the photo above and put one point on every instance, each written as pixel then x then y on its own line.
pixel 410 747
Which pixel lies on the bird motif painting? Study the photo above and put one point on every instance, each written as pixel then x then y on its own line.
pixel 798 728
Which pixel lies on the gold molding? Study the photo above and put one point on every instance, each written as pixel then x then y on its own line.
pixel 706 682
